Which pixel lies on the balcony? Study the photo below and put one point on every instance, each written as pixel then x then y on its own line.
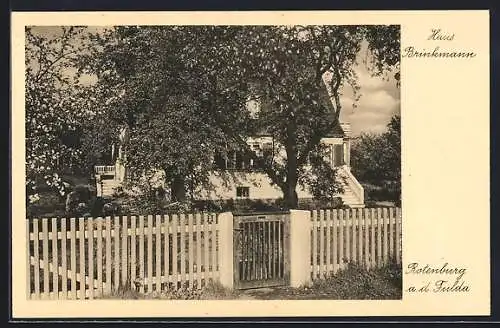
pixel 104 169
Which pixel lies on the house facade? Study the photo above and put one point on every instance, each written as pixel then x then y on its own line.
pixel 245 183
pixel 245 180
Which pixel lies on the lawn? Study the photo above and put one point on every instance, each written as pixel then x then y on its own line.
pixel 353 283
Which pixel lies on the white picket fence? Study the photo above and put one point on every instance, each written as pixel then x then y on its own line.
pixel 88 257
pixel 369 237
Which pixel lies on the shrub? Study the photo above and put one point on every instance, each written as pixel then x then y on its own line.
pixel 48 204
pixel 83 192
pixel 96 206
pixel 313 204
pixel 387 192
pixel 356 282
pixel 236 205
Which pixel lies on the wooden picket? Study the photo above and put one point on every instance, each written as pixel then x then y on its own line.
pixel 353 231
pixel 190 250
pixel 133 250
pixel 73 258
pixel 198 261
pixel 314 242
pixel 85 258
pixel 335 259
pixel 99 257
pixel 398 238
pixel 175 220
pixel 368 237
pixel 90 244
pixel 348 226
pixel 36 248
pixel 166 253
pixel 108 255
pixel 81 237
pixel 116 241
pixel 215 269
pixel 149 254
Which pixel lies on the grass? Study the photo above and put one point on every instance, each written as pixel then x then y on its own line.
pixel 353 283
pixel 212 291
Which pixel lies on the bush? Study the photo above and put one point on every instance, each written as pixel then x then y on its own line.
pixel 84 193
pixel 237 205
pixel 312 204
pixel 356 282
pixel 49 204
pixel 387 192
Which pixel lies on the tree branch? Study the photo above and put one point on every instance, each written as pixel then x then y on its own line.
pixel 62 56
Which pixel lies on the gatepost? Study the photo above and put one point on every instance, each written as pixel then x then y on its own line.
pixel 226 233
pixel 300 248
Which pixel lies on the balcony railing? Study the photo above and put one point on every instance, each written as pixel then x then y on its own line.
pixel 104 169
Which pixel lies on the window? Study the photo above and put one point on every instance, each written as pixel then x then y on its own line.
pixel 338 155
pixel 243 192
pixel 242 161
pixel 231 160
pixel 220 161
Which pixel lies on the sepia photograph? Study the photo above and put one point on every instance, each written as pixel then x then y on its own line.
pixel 213 162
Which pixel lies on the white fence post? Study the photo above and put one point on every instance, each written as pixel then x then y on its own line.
pixel 300 248
pixel 226 268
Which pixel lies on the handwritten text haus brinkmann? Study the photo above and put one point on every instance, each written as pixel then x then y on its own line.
pixel 437 52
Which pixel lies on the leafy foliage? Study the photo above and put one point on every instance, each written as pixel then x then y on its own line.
pixel 376 159
pixel 355 282
pixel 57 106
pixel 171 88
pixel 181 93
pixel 184 91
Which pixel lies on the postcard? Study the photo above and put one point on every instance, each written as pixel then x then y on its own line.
pixel 250 164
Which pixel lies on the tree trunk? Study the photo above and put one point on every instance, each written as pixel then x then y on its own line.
pixel 178 188
pixel 290 195
pixel 290 187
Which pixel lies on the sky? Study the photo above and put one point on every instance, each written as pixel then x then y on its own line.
pixel 379 101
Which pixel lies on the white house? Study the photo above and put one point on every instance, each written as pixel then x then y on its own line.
pixel 246 181
pixel 252 184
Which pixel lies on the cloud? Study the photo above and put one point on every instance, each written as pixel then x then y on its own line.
pixel 372 112
pixel 379 101
pixel 367 81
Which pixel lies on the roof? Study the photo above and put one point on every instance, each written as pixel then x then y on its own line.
pixel 326 101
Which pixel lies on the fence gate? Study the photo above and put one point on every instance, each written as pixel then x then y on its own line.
pixel 261 250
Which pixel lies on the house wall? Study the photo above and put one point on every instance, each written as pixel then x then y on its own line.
pixel 224 186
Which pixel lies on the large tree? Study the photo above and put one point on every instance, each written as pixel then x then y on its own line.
pixel 172 83
pixel 183 92
pixel 57 105
pixel 291 65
